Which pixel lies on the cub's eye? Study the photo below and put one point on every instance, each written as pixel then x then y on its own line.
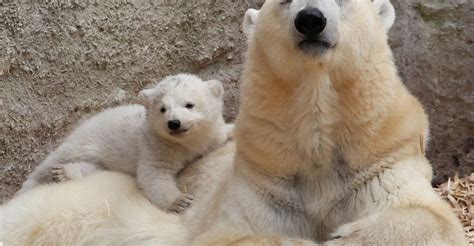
pixel 189 105
pixel 163 110
pixel 286 2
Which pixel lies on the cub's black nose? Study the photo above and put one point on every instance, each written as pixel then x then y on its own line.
pixel 174 125
pixel 310 21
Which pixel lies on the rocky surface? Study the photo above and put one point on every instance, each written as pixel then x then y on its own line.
pixel 61 60
pixel 434 50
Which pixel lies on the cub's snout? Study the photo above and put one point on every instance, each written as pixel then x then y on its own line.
pixel 174 125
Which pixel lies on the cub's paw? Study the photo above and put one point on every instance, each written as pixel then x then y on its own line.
pixel 181 204
pixel 58 173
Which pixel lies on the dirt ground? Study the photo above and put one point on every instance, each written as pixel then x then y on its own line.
pixel 61 60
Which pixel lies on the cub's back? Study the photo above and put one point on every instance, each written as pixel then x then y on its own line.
pixel 109 138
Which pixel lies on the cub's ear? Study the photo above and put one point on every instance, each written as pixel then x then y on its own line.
pixel 145 97
pixel 386 12
pixel 216 88
pixel 250 19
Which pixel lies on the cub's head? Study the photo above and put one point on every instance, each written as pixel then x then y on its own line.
pixel 183 106
pixel 302 31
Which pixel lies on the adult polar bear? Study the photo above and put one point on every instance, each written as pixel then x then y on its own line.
pixel 329 143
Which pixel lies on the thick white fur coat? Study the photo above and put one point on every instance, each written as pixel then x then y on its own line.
pixel 329 142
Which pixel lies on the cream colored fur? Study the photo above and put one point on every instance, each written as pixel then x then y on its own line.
pixel 329 148
pixel 107 208
pixel 101 209
pixel 136 139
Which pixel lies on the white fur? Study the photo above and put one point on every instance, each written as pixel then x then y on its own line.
pixel 328 143
pixel 328 146
pixel 102 209
pixel 386 12
pixel 250 19
pixel 136 140
pixel 107 208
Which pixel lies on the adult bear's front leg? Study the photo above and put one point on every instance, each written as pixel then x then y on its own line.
pixel 400 226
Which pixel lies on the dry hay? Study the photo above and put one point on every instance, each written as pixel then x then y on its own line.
pixel 460 194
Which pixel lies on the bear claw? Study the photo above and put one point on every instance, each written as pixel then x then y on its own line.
pixel 58 174
pixel 181 204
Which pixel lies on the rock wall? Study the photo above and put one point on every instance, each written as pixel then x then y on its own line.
pixel 433 45
pixel 61 60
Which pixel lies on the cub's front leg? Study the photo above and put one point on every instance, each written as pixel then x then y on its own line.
pixel 160 187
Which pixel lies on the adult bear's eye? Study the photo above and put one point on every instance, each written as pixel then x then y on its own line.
pixel 189 105
pixel 286 2
pixel 163 110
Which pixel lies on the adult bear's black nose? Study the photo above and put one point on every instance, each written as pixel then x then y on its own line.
pixel 310 21
pixel 174 125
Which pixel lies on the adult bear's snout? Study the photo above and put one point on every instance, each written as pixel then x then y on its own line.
pixel 310 21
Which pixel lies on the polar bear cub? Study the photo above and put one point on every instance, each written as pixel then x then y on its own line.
pixel 180 120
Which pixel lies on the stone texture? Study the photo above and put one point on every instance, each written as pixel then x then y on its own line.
pixel 434 51
pixel 60 61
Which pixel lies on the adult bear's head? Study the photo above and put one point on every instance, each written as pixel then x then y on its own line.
pixel 296 33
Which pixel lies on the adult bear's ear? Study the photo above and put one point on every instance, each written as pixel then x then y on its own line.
pixel 386 12
pixel 250 19
pixel 216 88
pixel 145 97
